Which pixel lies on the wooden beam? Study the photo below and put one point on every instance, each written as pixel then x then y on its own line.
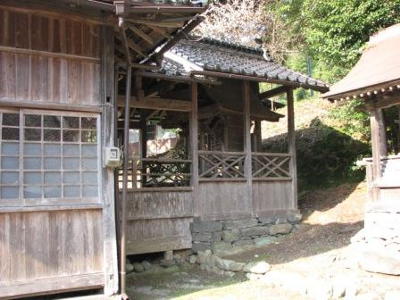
pixel 378 141
pixel 160 31
pixel 247 145
pixel 194 144
pixel 143 35
pixel 292 146
pixel 158 24
pixel 157 103
pixel 273 92
pixel 136 48
pixel 107 140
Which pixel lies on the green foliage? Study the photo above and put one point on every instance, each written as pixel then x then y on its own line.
pixel 325 156
pixel 333 32
pixel 349 119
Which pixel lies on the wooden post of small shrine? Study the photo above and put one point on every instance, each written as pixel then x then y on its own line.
pixel 247 140
pixel 292 145
pixel 379 146
pixel 194 145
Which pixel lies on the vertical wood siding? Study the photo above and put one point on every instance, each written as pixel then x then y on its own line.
pixel 272 196
pixel 46 59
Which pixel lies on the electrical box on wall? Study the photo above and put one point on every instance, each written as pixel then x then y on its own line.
pixel 112 157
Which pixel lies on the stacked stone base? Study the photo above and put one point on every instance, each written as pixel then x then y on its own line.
pixel 233 236
pixel 377 246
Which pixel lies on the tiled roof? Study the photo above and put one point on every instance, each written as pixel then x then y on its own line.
pixel 210 55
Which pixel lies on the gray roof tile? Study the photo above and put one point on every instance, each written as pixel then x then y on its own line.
pixel 212 55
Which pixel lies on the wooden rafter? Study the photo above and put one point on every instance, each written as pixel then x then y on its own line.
pixel 141 34
pixel 160 31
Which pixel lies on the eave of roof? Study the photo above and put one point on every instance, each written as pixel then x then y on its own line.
pixel 378 68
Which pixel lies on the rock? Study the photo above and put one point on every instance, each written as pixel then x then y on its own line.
pixel 263 241
pixel 229 273
pixel 216 236
pixel 243 244
pixel 267 220
pixel 258 267
pixel 206 226
pixel 230 235
pixel 202 236
pixel 244 223
pixel 387 263
pixel 167 263
pixel 192 259
pixel 200 246
pixel 221 248
pixel 229 265
pixel 146 265
pixel 202 255
pixel 138 267
pixel 210 261
pixel 169 255
pixel 280 229
pixel 392 295
pixel 255 231
pixel 281 220
pixel 294 218
pixel 129 268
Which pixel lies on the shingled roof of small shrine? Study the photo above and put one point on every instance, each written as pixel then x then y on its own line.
pixel 211 55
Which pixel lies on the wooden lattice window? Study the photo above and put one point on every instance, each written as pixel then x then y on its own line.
pixel 48 156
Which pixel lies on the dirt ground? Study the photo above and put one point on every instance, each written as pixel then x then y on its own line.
pixel 314 257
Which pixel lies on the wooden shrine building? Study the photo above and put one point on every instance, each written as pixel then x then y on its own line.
pixel 78 78
pixel 375 79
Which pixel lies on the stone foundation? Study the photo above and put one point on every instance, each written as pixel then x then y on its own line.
pixel 233 236
pixel 378 244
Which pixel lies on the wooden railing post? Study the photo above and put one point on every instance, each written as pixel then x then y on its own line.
pixel 292 145
pixel 247 142
pixel 194 144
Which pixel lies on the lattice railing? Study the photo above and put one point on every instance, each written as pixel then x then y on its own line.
pixel 270 165
pixel 150 172
pixel 216 164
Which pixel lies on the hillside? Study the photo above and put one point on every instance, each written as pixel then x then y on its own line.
pixel 330 138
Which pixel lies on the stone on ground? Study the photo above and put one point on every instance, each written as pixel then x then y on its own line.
pixel 259 267
pixel 280 229
pixel 229 265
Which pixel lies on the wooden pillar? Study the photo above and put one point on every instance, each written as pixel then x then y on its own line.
pixel 194 146
pixel 378 141
pixel 292 146
pixel 108 124
pixel 257 136
pixel 247 143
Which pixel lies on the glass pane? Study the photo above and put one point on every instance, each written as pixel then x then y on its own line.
pixel 71 150
pixel 52 150
pixel 72 177
pixel 89 163
pixel 89 177
pixel 32 149
pixel 52 135
pixel 52 192
pixel 32 163
pixel 52 121
pixel 89 191
pixel 9 178
pixel 89 123
pixel 11 119
pixel 52 163
pixel 9 192
pixel 89 150
pixel 9 163
pixel 52 178
pixel 71 163
pixel 89 136
pixel 32 178
pixel 32 192
pixel 71 135
pixel 71 122
pixel 10 148
pixel 10 134
pixel 33 134
pixel 33 120
pixel 72 191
